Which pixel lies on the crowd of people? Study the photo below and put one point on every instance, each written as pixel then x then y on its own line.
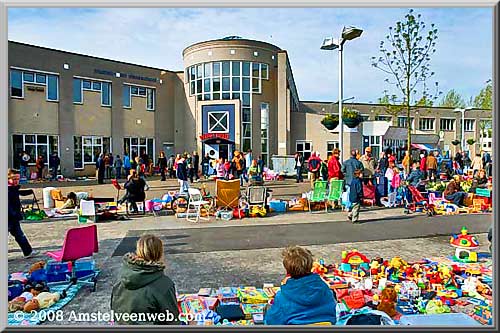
pixel 389 174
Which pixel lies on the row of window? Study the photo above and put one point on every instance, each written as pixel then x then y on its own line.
pixel 226 80
pixel 50 83
pixel 86 148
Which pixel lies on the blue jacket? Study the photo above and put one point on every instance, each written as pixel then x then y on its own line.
pixel 356 191
pixel 348 168
pixel 126 162
pixel 302 301
pixel 415 177
pixel 182 170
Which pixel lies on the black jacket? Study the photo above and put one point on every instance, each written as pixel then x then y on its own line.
pixel 135 189
pixel 182 170
pixel 196 161
pixel 14 204
pixel 143 288
pixel 54 161
pixel 162 162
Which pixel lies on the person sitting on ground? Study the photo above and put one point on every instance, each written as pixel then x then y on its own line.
pixel 415 176
pixel 143 287
pixel 454 192
pixel 305 298
pixel 135 187
pixel 479 181
pixel 71 202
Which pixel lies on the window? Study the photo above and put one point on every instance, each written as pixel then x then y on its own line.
pixel 18 78
pixel 86 149
pixel 402 122
pixel 80 85
pixel 304 147
pixel 139 146
pixel 365 117
pixel 446 124
pixel 330 146
pixel 106 94
pixel 383 118
pixel 139 91
pixel 218 122
pixel 469 125
pixel 151 95
pixel 126 96
pixel 52 88
pixel 264 74
pixel 264 131
pixel 16 83
pixel 35 145
pixel 426 124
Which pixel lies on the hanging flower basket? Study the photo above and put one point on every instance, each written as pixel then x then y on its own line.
pixel 470 142
pixel 351 118
pixel 455 142
pixel 330 122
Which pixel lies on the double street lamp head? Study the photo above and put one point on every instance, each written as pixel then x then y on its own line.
pixel 348 33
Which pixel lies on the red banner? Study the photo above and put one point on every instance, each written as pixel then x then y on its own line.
pixel 207 136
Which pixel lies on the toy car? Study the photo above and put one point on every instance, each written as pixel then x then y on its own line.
pixel 473 271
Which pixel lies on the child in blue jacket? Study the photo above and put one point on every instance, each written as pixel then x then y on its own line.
pixel 305 298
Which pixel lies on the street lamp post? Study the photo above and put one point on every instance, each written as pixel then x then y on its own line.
pixel 348 33
pixel 462 137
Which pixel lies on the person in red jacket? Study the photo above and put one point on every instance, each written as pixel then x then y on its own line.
pixel 423 163
pixel 334 166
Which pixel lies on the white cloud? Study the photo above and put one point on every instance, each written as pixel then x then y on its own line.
pixel 156 37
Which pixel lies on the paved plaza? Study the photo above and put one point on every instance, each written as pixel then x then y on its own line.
pixel 245 252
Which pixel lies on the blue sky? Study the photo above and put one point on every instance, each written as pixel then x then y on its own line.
pixel 156 37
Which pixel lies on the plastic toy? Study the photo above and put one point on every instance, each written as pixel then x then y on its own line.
pixel 354 262
pixel 463 244
pixel 395 269
pixel 319 267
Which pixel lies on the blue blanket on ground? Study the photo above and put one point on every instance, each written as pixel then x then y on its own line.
pixel 27 319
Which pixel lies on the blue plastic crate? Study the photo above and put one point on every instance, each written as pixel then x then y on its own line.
pixel 278 206
pixel 84 264
pixel 57 267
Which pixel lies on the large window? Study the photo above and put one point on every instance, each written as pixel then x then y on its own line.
pixel 35 145
pixel 426 124
pixel 130 91
pixel 330 146
pixel 139 146
pixel 224 80
pixel 83 84
pixel 304 147
pixel 218 122
pixel 264 131
pixel 402 122
pixel 469 125
pixel 18 78
pixel 88 148
pixel 447 124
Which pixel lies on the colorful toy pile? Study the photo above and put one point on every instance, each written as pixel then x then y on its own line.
pixel 400 289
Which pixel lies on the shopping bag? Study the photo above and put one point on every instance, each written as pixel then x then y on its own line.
pixel 345 198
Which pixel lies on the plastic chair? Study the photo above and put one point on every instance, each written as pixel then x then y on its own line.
pixel 196 202
pixel 118 187
pixel 335 191
pixel 319 194
pixel 79 243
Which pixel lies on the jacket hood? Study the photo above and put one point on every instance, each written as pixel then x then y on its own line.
pixel 137 273
pixel 309 290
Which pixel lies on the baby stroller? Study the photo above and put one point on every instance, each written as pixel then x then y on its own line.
pixel 415 201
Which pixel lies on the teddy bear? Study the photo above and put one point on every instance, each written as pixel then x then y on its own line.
pixel 36 266
pixel 388 300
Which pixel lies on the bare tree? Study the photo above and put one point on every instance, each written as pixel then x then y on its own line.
pixel 405 56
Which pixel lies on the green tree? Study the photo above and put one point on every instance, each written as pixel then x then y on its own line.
pixel 405 56
pixel 484 99
pixel 452 99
